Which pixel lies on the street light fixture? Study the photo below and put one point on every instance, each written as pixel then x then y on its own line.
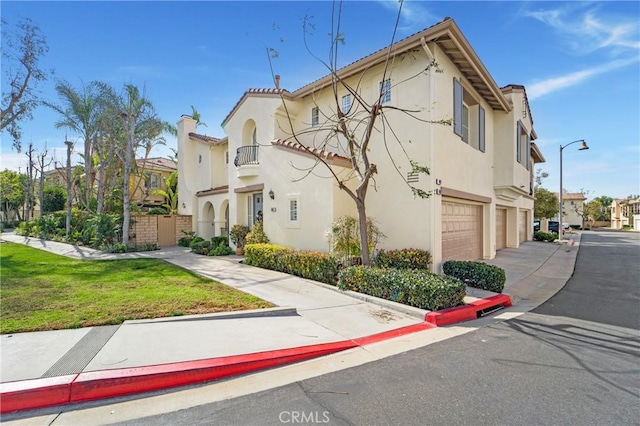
pixel 583 146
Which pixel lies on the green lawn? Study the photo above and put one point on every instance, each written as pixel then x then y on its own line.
pixel 44 291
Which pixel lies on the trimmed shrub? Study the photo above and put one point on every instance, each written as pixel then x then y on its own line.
pixel 186 240
pixel 200 247
pixel 413 287
pixel 115 248
pixel 158 210
pixel 195 240
pixel 257 234
pixel 312 265
pixel 147 247
pixel 221 250
pixel 216 241
pixel 404 259
pixel 476 274
pixel 544 236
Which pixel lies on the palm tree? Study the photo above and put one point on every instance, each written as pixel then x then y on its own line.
pixel 80 110
pixel 142 128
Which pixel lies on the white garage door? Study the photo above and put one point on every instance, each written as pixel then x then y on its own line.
pixel 461 231
pixel 501 228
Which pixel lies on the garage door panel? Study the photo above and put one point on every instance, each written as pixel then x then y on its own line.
pixel 501 228
pixel 461 231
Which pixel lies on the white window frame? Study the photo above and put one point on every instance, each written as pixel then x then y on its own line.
pixel 346 103
pixel 250 210
pixel 293 207
pixel 385 91
pixel 315 116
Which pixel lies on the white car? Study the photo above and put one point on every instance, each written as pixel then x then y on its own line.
pixel 565 225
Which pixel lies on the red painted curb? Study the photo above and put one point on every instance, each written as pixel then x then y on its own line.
pixel 385 335
pixel 36 393
pixel 111 383
pixel 467 312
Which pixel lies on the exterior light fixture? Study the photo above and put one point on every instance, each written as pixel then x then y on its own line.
pixel 583 146
pixel 271 194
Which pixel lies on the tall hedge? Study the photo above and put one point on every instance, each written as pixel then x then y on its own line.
pixel 413 287
pixel 313 265
pixel 409 258
pixel 477 274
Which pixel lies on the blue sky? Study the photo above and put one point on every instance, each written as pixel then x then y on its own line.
pixel 579 61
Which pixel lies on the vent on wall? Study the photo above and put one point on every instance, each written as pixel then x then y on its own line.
pixel 413 177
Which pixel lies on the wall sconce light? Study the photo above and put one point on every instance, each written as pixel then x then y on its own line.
pixel 271 194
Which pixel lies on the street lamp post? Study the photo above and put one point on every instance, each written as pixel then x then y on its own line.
pixel 69 147
pixel 560 213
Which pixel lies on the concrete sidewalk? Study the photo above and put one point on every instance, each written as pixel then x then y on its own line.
pixel 310 315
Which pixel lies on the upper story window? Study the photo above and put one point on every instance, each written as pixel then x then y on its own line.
pixel 254 136
pixel 152 181
pixel 385 91
pixel 293 210
pixel 468 117
pixel 315 116
pixel 346 103
pixel 523 146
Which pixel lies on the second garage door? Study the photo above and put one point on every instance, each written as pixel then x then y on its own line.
pixel 501 228
pixel 461 231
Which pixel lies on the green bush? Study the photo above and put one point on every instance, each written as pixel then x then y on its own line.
pixel 312 265
pixel 257 235
pixel 200 247
pixel 195 240
pixel 115 248
pixel 221 250
pixel 216 241
pixel 404 259
pixel 544 236
pixel 147 247
pixel 186 240
pixel 413 287
pixel 158 210
pixel 476 274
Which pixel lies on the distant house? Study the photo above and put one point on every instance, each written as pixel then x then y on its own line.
pixel 625 213
pixel 150 175
pixel 573 208
pixel 481 166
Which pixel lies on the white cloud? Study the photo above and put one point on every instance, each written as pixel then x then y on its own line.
pixel 554 84
pixel 414 15
pixel 587 29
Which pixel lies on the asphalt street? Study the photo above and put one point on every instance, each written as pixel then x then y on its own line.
pixel 574 360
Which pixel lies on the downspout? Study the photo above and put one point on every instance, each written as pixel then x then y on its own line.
pixel 431 203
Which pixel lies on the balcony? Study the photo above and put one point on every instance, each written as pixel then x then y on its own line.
pixel 246 161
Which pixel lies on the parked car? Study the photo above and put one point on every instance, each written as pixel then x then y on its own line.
pixel 554 226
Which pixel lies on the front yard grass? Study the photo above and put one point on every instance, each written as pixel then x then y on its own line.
pixel 44 291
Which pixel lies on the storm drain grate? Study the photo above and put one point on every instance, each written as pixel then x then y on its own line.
pixel 488 311
pixel 81 354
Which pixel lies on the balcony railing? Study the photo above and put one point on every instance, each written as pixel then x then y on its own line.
pixel 246 155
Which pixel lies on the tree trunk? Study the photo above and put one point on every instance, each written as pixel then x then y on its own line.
pixel 101 176
pixel 364 237
pixel 126 196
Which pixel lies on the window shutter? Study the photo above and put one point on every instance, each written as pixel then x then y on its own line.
pixel 528 153
pixel 457 107
pixel 518 147
pixel 481 129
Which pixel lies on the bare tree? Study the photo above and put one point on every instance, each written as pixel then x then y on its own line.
pixel 21 54
pixel 42 164
pixel 30 199
pixel 351 131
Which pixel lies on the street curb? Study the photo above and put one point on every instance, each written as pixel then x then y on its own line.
pixel 469 311
pixel 103 384
pixel 249 313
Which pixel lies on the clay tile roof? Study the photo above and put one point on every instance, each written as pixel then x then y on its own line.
pixel 216 190
pixel 156 162
pixel 250 92
pixel 208 139
pixel 301 149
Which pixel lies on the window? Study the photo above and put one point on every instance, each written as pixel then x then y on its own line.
pixel 250 210
pixel 523 146
pixel 293 210
pixel 385 91
pixel 152 181
pixel 254 136
pixel 465 123
pixel 315 116
pixel 468 117
pixel 346 103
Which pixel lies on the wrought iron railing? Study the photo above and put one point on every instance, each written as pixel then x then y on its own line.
pixel 246 155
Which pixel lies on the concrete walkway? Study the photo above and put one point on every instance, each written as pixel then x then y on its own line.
pixel 308 313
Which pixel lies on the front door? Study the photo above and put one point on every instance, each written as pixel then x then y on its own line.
pixel 257 207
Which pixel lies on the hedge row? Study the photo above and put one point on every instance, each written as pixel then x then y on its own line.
pixel 306 264
pixel 413 287
pixel 404 259
pixel 544 236
pixel 476 274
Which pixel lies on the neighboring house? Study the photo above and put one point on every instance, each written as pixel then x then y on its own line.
pixel 625 213
pixel 573 208
pixel 481 166
pixel 150 175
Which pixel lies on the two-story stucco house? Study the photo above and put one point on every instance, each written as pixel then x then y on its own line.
pixel 572 208
pixel 481 166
